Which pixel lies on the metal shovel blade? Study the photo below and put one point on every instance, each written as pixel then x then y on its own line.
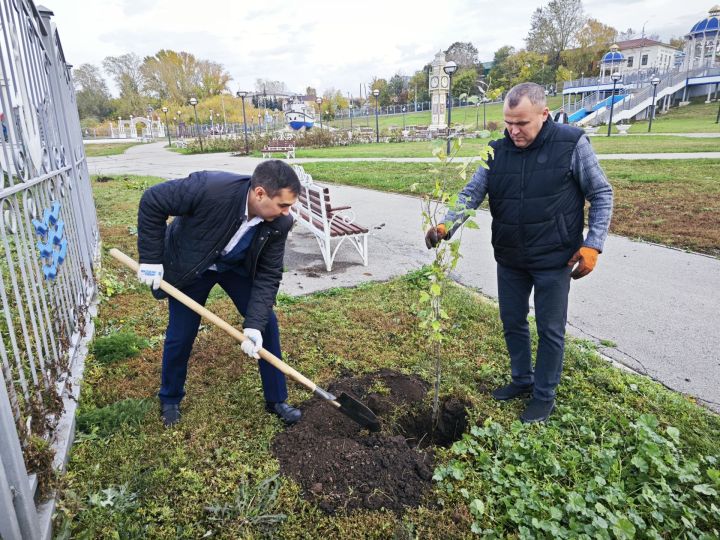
pixel 351 407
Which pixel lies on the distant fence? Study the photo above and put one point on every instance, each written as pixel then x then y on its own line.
pixel 49 246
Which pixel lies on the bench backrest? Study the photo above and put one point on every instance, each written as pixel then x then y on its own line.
pixel 314 200
pixel 281 144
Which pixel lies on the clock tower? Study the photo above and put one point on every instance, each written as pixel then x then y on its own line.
pixel 439 86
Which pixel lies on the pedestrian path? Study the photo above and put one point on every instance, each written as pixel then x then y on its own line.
pixel 657 306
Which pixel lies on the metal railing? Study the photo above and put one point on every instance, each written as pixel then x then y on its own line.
pixel 49 246
pixel 637 99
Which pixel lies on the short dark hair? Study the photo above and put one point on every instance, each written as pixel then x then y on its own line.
pixel 274 175
pixel 534 92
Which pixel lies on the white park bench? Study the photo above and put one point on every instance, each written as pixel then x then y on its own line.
pixel 329 224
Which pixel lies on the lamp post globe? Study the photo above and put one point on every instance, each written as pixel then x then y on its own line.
pixel 319 101
pixel 654 81
pixel 167 128
pixel 241 94
pixel 450 68
pixel 615 78
pixel 193 101
pixel 376 93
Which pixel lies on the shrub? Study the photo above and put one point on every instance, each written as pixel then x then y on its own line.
pixel 571 480
pixel 109 349
pixel 493 126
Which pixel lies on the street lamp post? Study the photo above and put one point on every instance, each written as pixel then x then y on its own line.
pixel 450 68
pixel 167 128
pixel 241 94
pixel 212 126
pixel 180 135
pixel 615 78
pixel 477 115
pixel 403 111
pixel 485 100
pixel 319 101
pixel 193 101
pixel 654 81
pixel 376 93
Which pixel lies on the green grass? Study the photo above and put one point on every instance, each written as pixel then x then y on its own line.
pixel 698 117
pixel 470 116
pixel 603 145
pixel 134 479
pixel 109 149
pixel 661 144
pixel 672 202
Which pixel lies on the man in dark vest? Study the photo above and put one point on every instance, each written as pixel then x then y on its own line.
pixel 537 182
pixel 230 230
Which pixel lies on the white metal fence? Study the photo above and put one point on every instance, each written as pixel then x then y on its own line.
pixel 48 251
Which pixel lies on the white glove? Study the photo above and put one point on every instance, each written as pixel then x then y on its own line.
pixel 252 345
pixel 150 274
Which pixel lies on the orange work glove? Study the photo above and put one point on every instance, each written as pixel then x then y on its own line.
pixel 434 235
pixel 585 258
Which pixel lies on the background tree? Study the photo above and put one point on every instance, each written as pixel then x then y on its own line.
pixel 501 73
pixel 213 78
pixel 93 97
pixel 384 97
pixel 333 101
pixel 464 82
pixel 526 66
pixel 463 53
pixel 310 91
pixel 553 28
pixel 171 76
pixel 677 42
pixel 419 83
pixel 125 71
pixel 593 40
pixel 397 88
pixel 626 35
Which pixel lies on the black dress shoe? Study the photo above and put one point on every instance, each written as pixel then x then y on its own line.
pixel 170 413
pixel 288 414
pixel 537 410
pixel 512 391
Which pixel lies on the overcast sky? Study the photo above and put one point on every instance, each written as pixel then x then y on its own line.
pixel 327 43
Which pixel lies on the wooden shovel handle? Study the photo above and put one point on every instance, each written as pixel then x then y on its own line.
pixel 181 297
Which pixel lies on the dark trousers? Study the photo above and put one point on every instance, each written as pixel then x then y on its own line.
pixel 552 288
pixel 183 328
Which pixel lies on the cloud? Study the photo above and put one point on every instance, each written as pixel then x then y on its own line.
pixel 324 43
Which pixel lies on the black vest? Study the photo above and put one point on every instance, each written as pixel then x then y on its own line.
pixel 535 201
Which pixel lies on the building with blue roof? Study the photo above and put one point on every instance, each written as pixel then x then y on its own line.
pixel 702 42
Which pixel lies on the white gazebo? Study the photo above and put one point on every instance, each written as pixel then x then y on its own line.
pixel 611 62
pixel 702 43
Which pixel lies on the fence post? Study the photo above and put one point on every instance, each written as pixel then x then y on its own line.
pixel 15 472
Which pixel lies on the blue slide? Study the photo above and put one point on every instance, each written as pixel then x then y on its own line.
pixel 603 103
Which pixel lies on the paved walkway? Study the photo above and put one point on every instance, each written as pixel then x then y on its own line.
pixel 659 306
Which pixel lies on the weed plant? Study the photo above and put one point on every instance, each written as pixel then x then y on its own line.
pixel 104 421
pixel 118 346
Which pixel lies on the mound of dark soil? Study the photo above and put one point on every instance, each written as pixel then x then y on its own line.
pixel 342 467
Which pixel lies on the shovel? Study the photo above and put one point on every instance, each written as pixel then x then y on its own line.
pixel 346 404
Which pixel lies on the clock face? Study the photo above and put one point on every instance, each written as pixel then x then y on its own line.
pixel 434 82
pixel 444 82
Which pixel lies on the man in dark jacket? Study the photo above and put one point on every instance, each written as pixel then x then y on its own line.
pixel 230 230
pixel 537 182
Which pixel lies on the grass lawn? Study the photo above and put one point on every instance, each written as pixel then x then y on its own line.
pixel 621 457
pixel 697 117
pixel 603 145
pixel 470 116
pixel 108 149
pixel 672 202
